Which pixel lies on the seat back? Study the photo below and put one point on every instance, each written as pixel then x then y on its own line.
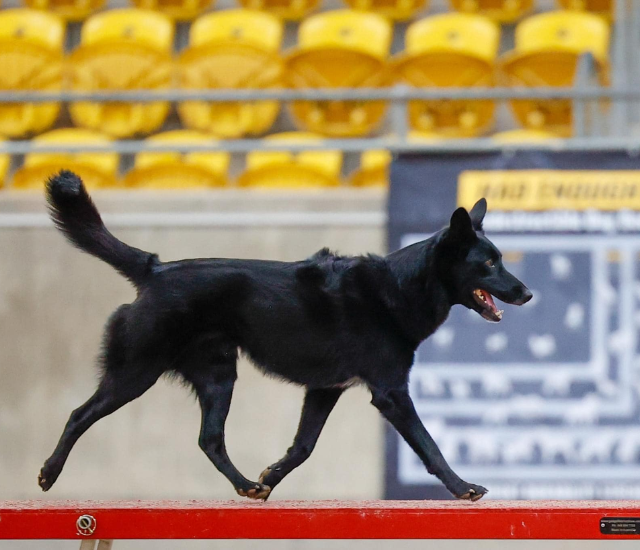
pixel 564 31
pixel 284 169
pixel 503 11
pixel 375 163
pixel 259 29
pixel 33 27
pixel 398 10
pixel 71 10
pixel 373 170
pixel 129 25
pixel 96 169
pixel 180 10
pixel 474 36
pixel 5 162
pixel 350 30
pixel 176 170
pixel 604 8
pixel 292 10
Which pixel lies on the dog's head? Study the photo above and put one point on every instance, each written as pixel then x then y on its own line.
pixel 474 266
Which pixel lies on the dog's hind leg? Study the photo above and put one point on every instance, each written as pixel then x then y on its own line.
pixel 117 388
pixel 318 404
pixel 396 406
pixel 214 388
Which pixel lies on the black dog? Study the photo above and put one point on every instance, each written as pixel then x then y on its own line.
pixel 324 323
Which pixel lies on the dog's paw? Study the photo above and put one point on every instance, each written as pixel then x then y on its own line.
pixel 471 492
pixel 271 476
pixel 268 472
pixel 257 491
pixel 46 479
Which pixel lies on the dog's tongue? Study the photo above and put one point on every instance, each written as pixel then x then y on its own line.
pixel 489 299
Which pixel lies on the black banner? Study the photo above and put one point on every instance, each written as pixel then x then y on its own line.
pixel 546 404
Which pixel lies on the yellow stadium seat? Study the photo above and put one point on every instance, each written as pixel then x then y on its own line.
pixel 122 50
pixel 180 10
pixel 340 49
pixel 293 10
pixel 399 10
pixel 5 162
pixel 374 164
pixel 174 170
pixel 502 11
pixel 523 135
pixel 287 170
pixel 547 49
pixel 599 7
pixel 444 51
pixel 232 49
pixel 31 59
pixel 97 170
pixel 373 170
pixel 71 10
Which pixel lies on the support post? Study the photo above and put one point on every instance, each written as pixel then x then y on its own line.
pixel 619 117
pixel 91 544
pixel 400 113
pixel 582 118
pixel 634 25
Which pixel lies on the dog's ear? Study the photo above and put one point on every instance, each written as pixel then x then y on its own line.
pixel 460 227
pixel 477 214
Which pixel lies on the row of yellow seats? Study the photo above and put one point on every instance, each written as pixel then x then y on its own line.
pixel 504 11
pixel 173 170
pixel 205 170
pixel 238 49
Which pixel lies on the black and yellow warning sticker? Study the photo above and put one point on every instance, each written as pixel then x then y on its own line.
pixel 540 190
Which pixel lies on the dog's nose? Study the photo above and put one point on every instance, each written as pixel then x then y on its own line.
pixel 526 296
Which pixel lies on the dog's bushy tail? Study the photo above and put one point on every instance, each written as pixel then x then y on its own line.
pixel 74 213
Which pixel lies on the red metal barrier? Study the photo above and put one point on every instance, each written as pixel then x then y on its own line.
pixel 320 520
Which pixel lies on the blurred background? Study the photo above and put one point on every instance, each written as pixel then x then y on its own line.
pixel 272 128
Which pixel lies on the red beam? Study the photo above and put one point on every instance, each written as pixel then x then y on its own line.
pixel 318 519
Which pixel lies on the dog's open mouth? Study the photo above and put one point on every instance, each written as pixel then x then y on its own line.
pixel 488 311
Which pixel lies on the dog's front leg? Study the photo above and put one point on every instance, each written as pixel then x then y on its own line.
pixel 318 404
pixel 397 407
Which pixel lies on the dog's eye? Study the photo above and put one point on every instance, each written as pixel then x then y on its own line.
pixel 489 263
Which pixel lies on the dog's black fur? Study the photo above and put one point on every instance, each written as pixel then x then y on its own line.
pixel 324 323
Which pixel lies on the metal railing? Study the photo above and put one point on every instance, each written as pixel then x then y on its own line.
pixel 584 94
pixel 393 94
pixel 348 145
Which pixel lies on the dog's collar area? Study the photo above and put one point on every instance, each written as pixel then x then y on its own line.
pixel 488 309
